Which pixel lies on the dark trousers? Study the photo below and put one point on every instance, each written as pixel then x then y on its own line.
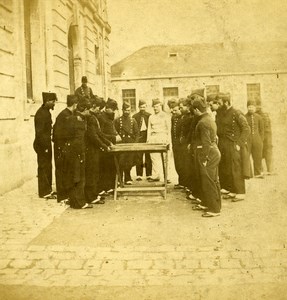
pixel 140 164
pixel 209 187
pixel 77 190
pixel 255 145
pixel 92 174
pixel 179 162
pixel 267 151
pixel 230 167
pixel 108 171
pixel 59 153
pixel 44 160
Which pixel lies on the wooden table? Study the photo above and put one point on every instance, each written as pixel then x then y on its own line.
pixel 139 148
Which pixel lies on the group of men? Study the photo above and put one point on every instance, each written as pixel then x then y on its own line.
pixel 83 134
pixel 211 143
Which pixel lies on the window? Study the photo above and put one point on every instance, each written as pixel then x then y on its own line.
pixel 170 92
pixel 253 92
pixel 212 89
pixel 130 97
pixel 98 61
pixel 28 60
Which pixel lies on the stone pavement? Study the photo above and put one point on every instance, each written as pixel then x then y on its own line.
pixel 145 247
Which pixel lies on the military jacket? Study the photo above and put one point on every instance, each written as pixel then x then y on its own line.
pixel 205 134
pixel 95 138
pixel 232 125
pixel 256 125
pixel 107 126
pixel 127 128
pixel 61 131
pixel 175 129
pixel 43 129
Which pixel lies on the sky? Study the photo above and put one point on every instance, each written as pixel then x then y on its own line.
pixel 139 23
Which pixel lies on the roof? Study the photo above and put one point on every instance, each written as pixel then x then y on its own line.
pixel 208 59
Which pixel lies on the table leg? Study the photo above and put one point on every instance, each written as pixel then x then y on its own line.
pixel 164 165
pixel 118 176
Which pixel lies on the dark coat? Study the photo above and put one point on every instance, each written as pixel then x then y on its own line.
pixel 43 130
pixel 107 126
pixel 140 117
pixel 175 130
pixel 84 92
pixel 61 131
pixel 127 128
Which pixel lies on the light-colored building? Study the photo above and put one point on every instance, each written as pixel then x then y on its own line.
pixel 46 45
pixel 256 71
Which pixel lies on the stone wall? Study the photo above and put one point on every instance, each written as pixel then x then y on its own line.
pixel 50 24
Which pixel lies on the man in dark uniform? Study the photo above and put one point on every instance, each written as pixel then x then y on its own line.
pixel 193 192
pixel 127 128
pixel 84 91
pixel 233 132
pixel 43 145
pixel 207 158
pixel 107 164
pixel 95 144
pixel 175 140
pixel 142 120
pixel 256 137
pixel 267 141
pixel 60 136
pixel 186 119
pixel 74 160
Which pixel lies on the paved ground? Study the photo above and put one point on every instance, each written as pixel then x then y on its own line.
pixel 145 247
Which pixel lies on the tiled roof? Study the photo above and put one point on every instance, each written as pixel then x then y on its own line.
pixel 209 59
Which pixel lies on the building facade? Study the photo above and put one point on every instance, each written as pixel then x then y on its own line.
pixel 248 71
pixel 45 46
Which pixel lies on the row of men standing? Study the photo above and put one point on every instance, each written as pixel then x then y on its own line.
pixel 201 126
pixel 82 136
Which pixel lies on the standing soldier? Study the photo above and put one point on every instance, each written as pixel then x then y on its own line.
pixel 175 139
pixel 107 164
pixel 267 141
pixel 60 136
pixel 186 118
pixel 84 91
pixel 95 144
pixel 43 145
pixel 74 163
pixel 207 158
pixel 127 128
pixel 142 118
pixel 159 128
pixel 256 137
pixel 233 132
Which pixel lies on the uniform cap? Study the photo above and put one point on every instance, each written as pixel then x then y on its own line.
pixel 84 79
pixel 197 92
pixel 156 101
pixel 211 97
pixel 72 99
pixel 126 105
pixel 142 102
pixel 111 103
pixel 49 97
pixel 172 103
pixel 200 104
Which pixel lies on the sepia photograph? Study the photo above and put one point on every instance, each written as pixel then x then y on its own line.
pixel 143 149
